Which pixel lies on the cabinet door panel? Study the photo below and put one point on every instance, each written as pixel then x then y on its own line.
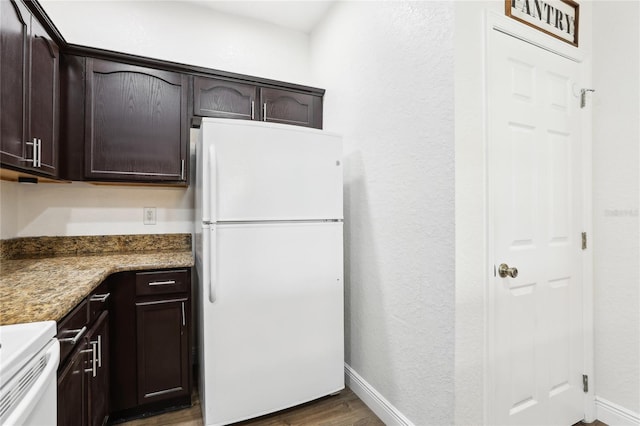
pixel 224 99
pixel 162 328
pixel 71 392
pixel 299 109
pixel 14 37
pixel 98 384
pixel 135 123
pixel 44 97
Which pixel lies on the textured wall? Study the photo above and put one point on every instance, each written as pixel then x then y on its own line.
pixel 388 71
pixel 187 33
pixel 616 240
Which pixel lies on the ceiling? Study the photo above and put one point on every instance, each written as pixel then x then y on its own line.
pixel 300 15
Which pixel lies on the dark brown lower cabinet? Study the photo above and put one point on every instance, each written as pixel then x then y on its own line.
pixel 126 349
pixel 98 372
pixel 83 376
pixel 72 399
pixel 163 365
pixel 150 346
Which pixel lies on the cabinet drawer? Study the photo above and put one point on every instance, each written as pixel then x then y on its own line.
pixel 161 282
pixel 72 329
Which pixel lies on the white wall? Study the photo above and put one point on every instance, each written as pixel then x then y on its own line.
pixel 388 71
pixel 616 239
pixel 8 210
pixel 84 209
pixel 187 33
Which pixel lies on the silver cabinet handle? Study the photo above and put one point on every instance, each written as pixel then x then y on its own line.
pixel 34 160
pixel 99 351
pixel 73 340
pixel 183 318
pixel 169 282
pixel 181 169
pixel 253 108
pixel 94 360
pixel 99 297
pixel 39 152
pixel 264 111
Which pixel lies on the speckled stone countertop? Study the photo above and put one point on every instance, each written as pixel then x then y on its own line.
pixel 47 288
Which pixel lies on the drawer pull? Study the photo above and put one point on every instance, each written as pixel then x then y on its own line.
pixel 73 340
pixel 100 297
pixel 94 361
pixel 169 282
pixel 99 351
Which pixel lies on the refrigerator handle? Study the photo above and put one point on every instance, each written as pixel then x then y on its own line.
pixel 213 184
pixel 213 265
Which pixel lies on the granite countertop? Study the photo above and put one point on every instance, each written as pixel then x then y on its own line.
pixel 47 288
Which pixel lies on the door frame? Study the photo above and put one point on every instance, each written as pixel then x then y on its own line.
pixel 497 22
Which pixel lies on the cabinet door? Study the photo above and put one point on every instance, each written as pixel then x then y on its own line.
pixel 163 355
pixel 299 109
pixel 44 96
pixel 135 128
pixel 71 391
pixel 97 367
pixel 14 38
pixel 224 99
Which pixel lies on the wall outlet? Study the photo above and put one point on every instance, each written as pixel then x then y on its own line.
pixel 149 215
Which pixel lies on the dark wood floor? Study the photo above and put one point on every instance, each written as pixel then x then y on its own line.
pixel 344 409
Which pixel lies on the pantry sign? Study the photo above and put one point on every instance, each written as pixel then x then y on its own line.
pixel 558 18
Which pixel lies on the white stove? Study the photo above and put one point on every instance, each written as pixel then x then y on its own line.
pixel 29 357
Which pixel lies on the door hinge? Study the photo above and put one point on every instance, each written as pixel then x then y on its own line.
pixel 585 383
pixel 584 241
pixel 583 97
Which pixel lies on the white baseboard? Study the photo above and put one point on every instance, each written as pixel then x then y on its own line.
pixel 376 402
pixel 615 415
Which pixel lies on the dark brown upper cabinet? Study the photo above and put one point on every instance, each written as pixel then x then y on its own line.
pixel 286 107
pixel 228 99
pixel 29 80
pixel 225 99
pixel 135 123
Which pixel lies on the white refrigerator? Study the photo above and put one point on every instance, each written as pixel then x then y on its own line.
pixel 269 261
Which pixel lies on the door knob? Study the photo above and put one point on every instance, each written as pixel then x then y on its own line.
pixel 504 271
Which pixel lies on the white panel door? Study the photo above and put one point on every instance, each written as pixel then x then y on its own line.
pixel 274 334
pixel 266 171
pixel 535 318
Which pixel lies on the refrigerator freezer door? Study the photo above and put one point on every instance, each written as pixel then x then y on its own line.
pixel 270 172
pixel 274 335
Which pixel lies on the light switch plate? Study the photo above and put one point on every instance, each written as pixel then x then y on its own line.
pixel 149 215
